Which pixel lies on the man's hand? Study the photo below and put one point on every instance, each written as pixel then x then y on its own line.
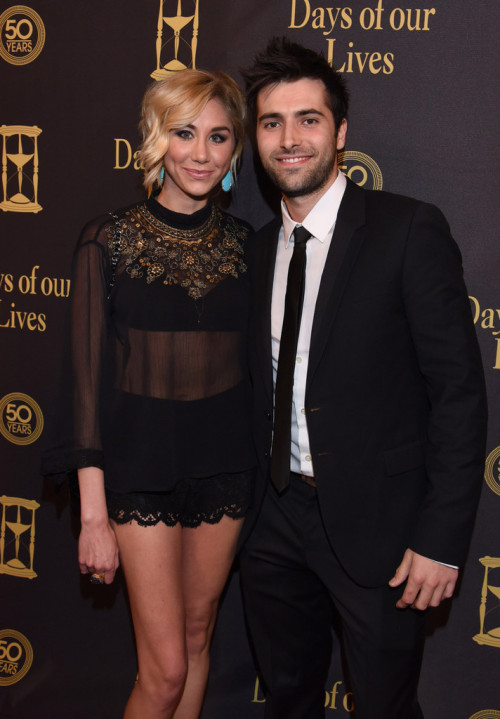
pixel 428 582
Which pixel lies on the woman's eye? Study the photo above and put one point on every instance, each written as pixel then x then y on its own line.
pixel 218 138
pixel 183 134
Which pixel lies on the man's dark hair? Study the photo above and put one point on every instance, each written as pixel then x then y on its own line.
pixel 286 61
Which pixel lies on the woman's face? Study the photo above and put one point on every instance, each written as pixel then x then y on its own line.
pixel 197 159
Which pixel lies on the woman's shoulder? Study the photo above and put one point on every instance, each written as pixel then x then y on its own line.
pixel 100 229
pixel 240 226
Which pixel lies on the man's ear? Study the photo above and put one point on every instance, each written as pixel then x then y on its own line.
pixel 341 134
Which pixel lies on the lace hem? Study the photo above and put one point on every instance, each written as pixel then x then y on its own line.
pixel 122 516
pixel 190 503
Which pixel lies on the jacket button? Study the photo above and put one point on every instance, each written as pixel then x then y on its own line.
pixel 268 414
pixel 266 454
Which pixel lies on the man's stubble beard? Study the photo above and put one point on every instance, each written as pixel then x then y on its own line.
pixel 312 181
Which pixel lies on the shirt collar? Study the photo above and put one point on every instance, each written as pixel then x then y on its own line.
pixel 321 219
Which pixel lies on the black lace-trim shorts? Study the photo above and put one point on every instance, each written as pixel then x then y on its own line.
pixel 191 502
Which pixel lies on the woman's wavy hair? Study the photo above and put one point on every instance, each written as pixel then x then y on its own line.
pixel 177 101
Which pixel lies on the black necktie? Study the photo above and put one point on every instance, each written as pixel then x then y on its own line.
pixel 283 394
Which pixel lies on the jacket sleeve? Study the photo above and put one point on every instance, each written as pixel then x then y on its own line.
pixel 441 325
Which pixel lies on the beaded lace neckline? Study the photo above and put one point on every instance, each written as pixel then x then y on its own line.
pixel 196 258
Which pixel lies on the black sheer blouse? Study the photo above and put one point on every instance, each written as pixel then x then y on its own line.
pixel 158 387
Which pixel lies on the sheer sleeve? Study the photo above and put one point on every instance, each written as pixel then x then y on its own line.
pixel 78 424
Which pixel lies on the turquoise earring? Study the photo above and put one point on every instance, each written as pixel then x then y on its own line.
pixel 162 175
pixel 227 181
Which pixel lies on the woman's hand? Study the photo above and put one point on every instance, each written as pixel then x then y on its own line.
pixel 97 546
pixel 98 550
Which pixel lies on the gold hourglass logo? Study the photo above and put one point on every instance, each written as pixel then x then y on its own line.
pixel 20 168
pixel 181 50
pixel 489 610
pixel 16 551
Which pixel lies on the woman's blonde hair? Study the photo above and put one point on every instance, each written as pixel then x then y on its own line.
pixel 177 101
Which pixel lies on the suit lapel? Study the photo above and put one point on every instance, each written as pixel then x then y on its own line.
pixel 342 254
pixel 264 279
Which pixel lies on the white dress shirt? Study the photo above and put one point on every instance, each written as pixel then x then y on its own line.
pixel 320 222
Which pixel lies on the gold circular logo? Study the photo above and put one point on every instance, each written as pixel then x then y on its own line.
pixel 492 471
pixel 22 35
pixel 361 169
pixel 486 714
pixel 16 656
pixel 21 419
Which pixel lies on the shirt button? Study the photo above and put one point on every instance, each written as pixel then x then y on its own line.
pixel 303 410
pixel 299 360
pixel 308 457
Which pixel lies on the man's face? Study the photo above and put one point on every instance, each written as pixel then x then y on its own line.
pixel 296 137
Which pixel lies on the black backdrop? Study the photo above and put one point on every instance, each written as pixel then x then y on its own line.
pixel 424 84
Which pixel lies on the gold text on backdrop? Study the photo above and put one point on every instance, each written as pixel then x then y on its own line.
pixel 343 19
pixel 488 319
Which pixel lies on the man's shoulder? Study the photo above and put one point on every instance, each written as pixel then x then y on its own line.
pixel 391 203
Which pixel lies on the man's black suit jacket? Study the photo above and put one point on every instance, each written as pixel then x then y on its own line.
pixel 395 399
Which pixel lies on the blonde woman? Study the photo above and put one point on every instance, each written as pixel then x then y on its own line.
pixel 160 437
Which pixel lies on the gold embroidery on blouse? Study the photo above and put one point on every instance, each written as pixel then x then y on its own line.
pixel 195 259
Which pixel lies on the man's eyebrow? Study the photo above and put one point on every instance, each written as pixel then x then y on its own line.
pixel 311 111
pixel 279 115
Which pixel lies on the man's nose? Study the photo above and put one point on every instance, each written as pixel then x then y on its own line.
pixel 290 136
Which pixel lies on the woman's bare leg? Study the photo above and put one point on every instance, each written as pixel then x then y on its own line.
pixel 151 558
pixel 207 556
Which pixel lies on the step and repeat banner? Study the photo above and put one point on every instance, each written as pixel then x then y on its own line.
pixel 424 113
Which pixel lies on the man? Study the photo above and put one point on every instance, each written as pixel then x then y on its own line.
pixel 370 410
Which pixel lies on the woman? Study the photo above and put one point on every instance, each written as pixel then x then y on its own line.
pixel 161 439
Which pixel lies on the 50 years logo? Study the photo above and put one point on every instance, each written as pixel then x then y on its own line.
pixel 22 35
pixel 21 419
pixel 361 169
pixel 492 471
pixel 16 656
